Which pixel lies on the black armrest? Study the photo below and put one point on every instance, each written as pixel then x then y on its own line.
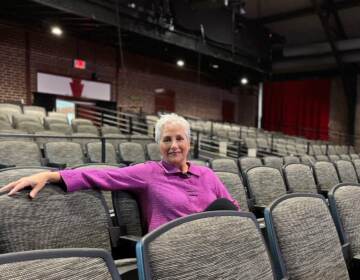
pixel 56 165
pixel 6 166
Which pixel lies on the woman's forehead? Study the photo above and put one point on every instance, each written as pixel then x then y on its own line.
pixel 173 128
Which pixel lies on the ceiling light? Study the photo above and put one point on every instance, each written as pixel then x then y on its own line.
pixel 56 30
pixel 132 5
pixel 244 81
pixel 215 66
pixel 180 63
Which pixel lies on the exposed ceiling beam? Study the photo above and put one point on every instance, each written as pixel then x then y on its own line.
pixel 103 14
pixel 305 12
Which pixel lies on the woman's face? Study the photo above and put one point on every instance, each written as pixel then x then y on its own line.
pixel 174 144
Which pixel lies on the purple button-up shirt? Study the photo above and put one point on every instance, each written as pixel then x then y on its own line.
pixel 164 193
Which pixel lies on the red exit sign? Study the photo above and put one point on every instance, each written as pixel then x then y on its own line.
pixel 79 64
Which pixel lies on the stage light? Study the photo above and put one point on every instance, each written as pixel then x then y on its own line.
pixel 180 63
pixel 56 30
pixel 244 81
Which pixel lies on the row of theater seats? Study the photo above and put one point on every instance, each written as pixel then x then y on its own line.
pixel 255 186
pixel 303 239
pixel 62 153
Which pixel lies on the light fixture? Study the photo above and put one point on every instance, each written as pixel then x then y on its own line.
pixel 132 5
pixel 56 30
pixel 244 81
pixel 215 66
pixel 180 63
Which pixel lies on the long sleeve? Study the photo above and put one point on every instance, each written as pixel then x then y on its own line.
pixel 132 178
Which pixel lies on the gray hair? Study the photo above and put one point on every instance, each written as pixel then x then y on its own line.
pixel 171 118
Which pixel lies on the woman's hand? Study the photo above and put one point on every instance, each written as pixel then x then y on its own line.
pixel 37 182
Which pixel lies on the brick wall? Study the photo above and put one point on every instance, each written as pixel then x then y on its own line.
pixel 132 89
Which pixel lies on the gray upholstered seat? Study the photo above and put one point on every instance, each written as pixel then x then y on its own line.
pixel 291 159
pixel 265 184
pixel 224 245
pixel 20 153
pixel 127 214
pixel 262 144
pixel 250 143
pixel 10 110
pixel 61 153
pixel 65 264
pixel 303 238
pixel 41 140
pixel 54 120
pixel 334 158
pixel 322 157
pixel 55 219
pixel 131 152
pixel 346 171
pixel 272 161
pixel 300 149
pixel 107 129
pixel 5 125
pixel 30 127
pixel 83 138
pixel 248 162
pixel 80 121
pixel 33 108
pixel 224 164
pixel 299 178
pixel 325 175
pixel 153 151
pixel 199 162
pixel 354 156
pixel 87 129
pixel 344 205
pixel 141 139
pixel 58 115
pixel 60 127
pixel 94 149
pixel 19 118
pixel 331 150
pixel 307 159
pixel 235 187
pixel 317 150
pixel 115 139
pixel 345 156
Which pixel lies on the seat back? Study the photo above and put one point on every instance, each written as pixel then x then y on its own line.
pixel 80 121
pixel 307 159
pixel 83 138
pixel 322 158
pixel 127 213
pixel 303 238
pixel 334 157
pixel 346 171
pixel 141 139
pixel 53 120
pixel 248 162
pixel 265 183
pixel 291 159
pixel 107 129
pixel 30 127
pixel 299 178
pixel 42 140
pixel 272 161
pixel 20 153
pixel 48 264
pixel 131 152
pixel 64 153
pixel 344 205
pixel 325 175
pixel 115 139
pixel 91 129
pixel 60 127
pixel 199 162
pixel 153 151
pixel 235 187
pixel 94 152
pixel 55 219
pixel 345 157
pixel 199 247
pixel 225 165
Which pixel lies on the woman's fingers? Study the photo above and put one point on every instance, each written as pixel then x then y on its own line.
pixel 8 187
pixel 21 184
pixel 38 187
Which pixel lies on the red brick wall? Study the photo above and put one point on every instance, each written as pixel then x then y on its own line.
pixel 135 86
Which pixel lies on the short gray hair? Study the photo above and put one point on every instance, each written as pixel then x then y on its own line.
pixel 171 118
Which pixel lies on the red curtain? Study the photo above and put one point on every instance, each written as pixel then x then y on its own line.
pixel 298 108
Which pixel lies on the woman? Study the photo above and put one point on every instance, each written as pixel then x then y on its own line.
pixel 166 190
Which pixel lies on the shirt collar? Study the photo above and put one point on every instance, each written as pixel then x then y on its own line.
pixel 171 169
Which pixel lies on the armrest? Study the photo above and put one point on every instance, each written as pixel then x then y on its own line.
pixel 56 165
pixel 6 166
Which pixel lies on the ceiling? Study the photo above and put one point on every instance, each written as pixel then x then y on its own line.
pixel 273 37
